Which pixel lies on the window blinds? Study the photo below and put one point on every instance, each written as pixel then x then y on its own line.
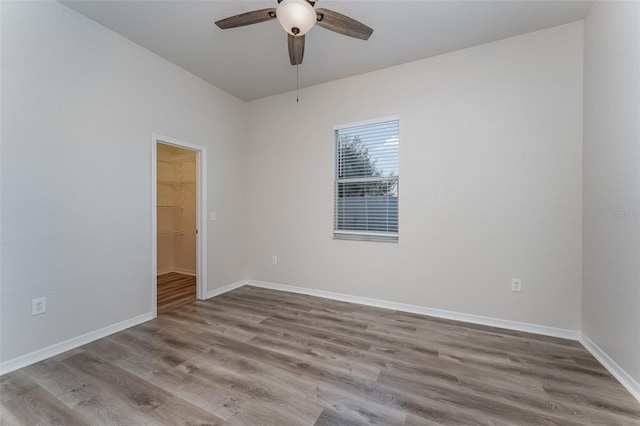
pixel 367 181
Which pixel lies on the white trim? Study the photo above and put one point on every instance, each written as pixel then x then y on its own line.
pixel 154 227
pixel 618 372
pixel 164 271
pixel 421 310
pixel 367 179
pixel 183 271
pixel 201 215
pixel 226 288
pixel 201 223
pixel 367 233
pixel 75 342
pixel 367 122
pixel 58 348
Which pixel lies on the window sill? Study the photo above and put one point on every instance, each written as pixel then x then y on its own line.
pixel 360 237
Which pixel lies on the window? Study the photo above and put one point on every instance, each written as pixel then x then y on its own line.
pixel 366 181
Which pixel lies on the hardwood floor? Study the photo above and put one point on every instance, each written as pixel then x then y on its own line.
pixel 175 290
pixel 254 356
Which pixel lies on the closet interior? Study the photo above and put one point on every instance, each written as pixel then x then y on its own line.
pixel 177 233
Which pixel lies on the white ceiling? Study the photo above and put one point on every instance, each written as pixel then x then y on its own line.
pixel 252 62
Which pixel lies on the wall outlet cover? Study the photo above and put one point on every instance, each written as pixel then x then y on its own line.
pixel 39 306
pixel 516 284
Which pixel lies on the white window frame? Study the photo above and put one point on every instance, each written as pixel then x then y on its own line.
pixel 340 234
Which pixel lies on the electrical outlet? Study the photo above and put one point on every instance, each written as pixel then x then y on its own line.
pixel 516 284
pixel 39 306
pixel 274 260
pixel 213 216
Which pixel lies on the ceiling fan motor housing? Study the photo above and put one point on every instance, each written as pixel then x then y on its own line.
pixel 297 17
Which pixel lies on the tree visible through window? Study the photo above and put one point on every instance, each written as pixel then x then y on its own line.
pixel 366 181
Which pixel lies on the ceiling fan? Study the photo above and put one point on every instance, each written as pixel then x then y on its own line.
pixel 297 17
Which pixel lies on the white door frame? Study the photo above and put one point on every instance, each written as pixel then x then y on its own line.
pixel 201 215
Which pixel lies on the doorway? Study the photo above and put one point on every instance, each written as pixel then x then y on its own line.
pixel 177 224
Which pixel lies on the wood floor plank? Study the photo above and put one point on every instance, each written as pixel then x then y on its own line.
pixel 331 417
pixel 15 384
pixel 134 393
pixel 180 412
pixel 255 356
pixel 259 394
pixel 175 290
pixel 103 408
pixel 39 407
pixel 515 402
pixel 56 378
pixel 8 419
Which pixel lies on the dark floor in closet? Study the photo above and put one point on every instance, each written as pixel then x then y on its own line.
pixel 175 290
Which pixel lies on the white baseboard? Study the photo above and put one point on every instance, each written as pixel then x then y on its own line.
pixel 618 372
pixel 178 271
pixel 421 310
pixel 184 271
pixel 58 348
pixel 226 288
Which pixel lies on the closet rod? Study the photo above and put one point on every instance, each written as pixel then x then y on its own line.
pixel 176 182
pixel 165 234
pixel 188 160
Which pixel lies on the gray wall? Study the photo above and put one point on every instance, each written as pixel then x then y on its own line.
pixel 79 106
pixel 490 176
pixel 611 182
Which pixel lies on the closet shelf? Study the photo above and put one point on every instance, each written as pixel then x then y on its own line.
pixel 165 234
pixel 176 182
pixel 178 161
pixel 169 207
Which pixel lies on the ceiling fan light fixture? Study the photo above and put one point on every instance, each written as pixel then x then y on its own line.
pixel 297 17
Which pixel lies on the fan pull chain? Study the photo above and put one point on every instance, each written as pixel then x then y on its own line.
pixel 297 82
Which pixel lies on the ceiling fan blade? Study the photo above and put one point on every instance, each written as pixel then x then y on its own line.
pixel 342 24
pixel 248 18
pixel 296 49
